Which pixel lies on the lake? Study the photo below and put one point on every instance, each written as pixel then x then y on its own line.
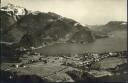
pixel 116 42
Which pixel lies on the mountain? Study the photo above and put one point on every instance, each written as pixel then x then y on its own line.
pixel 35 28
pixel 102 31
pixel 110 26
pixel 115 25
pixel 9 15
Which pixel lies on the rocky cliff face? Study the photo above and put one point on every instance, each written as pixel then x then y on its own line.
pixel 9 16
pixel 21 26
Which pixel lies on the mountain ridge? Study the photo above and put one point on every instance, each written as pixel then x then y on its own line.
pixel 39 25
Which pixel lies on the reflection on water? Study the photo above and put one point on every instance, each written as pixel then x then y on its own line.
pixel 116 42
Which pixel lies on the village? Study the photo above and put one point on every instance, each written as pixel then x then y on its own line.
pixel 93 65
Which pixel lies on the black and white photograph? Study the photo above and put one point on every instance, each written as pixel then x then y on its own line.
pixel 44 41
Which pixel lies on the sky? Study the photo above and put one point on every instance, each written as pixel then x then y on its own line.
pixel 90 12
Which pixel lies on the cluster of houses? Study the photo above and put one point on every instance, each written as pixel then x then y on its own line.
pixel 89 58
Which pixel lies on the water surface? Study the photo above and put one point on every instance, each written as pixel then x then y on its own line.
pixel 116 42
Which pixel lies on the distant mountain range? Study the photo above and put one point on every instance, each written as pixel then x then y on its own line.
pixel 110 26
pixel 103 30
pixel 34 28
pixel 115 25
